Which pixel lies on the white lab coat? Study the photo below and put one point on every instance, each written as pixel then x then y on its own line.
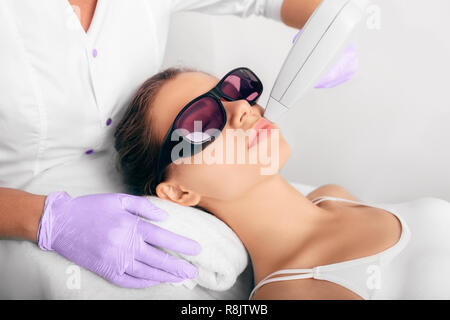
pixel 63 90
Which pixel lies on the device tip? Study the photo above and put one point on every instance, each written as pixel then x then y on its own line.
pixel 274 110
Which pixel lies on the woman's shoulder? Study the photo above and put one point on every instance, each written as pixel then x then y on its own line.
pixel 331 190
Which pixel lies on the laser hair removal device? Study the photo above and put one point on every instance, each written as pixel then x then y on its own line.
pixel 323 37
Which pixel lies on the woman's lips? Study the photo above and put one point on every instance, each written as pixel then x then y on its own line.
pixel 255 134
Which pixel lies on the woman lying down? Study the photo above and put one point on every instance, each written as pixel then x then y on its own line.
pixel 179 140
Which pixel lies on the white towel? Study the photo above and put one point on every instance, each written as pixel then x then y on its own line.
pixel 223 257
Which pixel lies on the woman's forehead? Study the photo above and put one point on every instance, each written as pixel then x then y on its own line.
pixel 175 94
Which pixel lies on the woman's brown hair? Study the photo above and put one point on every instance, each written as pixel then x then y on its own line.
pixel 135 142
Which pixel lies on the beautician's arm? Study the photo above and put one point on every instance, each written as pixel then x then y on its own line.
pixel 20 213
pixel 107 234
pixel 295 13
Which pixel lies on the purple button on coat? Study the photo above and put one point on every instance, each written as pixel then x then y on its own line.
pixel 90 151
pixel 108 122
pixel 94 53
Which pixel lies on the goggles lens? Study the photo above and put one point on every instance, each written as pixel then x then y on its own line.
pixel 241 84
pixel 201 120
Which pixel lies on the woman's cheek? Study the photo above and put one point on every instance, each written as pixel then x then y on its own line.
pixel 229 181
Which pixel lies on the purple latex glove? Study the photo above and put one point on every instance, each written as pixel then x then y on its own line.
pixel 342 71
pixel 105 234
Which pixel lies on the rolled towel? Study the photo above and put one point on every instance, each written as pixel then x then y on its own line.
pixel 223 257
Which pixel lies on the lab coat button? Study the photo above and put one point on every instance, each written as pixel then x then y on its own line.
pixel 94 53
pixel 90 151
pixel 108 122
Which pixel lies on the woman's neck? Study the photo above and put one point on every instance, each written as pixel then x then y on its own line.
pixel 273 220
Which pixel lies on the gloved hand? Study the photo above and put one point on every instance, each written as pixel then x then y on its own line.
pixel 104 233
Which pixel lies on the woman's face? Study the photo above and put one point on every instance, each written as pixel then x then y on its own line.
pixel 226 168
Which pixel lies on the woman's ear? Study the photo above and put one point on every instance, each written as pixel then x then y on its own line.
pixel 178 194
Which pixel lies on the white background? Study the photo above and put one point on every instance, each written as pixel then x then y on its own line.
pixel 384 135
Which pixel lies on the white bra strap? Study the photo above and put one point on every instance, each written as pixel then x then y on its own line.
pixel 323 198
pixel 306 273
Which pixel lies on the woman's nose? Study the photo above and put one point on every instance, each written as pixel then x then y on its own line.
pixel 238 112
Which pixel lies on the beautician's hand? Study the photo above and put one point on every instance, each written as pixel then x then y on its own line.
pixel 104 233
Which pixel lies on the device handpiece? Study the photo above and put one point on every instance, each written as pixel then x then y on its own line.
pixel 324 36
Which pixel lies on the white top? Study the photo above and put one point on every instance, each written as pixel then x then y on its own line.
pixel 62 90
pixel 416 267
